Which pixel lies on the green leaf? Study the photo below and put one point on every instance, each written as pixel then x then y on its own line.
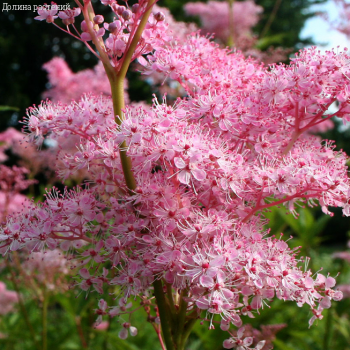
pixel 272 40
pixel 320 225
pixel 342 325
pixel 66 303
pixel 306 219
pixel 8 108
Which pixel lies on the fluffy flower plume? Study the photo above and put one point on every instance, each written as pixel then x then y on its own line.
pixel 120 32
pixel 12 182
pixel 48 269
pixel 67 86
pixel 206 169
pixel 215 18
pixel 200 190
pixel 8 299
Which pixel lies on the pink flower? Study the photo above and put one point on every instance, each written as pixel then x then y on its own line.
pixel 47 14
pixel 68 15
pixel 7 299
pixel 102 326
pixel 188 169
pixel 207 168
pixel 123 334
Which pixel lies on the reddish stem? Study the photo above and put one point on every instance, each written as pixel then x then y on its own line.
pixel 268 205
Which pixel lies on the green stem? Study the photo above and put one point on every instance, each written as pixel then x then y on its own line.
pixel 231 39
pixel 89 14
pixel 116 80
pixel 187 331
pixel 328 331
pixel 131 49
pixel 163 314
pixel 170 297
pixel 44 319
pixel 80 332
pixel 271 18
pixel 181 319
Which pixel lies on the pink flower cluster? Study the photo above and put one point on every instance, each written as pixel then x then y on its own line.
pixel 12 182
pixel 207 168
pixel 241 343
pixel 47 268
pixel 121 30
pixel 200 189
pixel 7 299
pixel 67 86
pixel 215 18
pixel 266 333
pixel 345 255
pixel 9 139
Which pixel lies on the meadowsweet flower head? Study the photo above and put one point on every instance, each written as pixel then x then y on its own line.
pixel 177 193
pixel 8 299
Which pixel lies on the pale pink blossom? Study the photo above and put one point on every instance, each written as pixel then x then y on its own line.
pixel 8 299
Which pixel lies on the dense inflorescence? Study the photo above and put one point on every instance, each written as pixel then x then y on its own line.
pixel 206 169
pixel 215 18
pixel 8 299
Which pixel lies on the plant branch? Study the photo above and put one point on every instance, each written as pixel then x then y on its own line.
pixel 271 18
pixel 181 319
pixel 231 38
pixel 126 60
pixel 117 88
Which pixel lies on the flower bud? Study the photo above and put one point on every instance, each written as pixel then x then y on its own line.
pixel 126 15
pixel 115 7
pixel 98 19
pixel 134 8
pixel 86 36
pixel 120 10
pixel 147 309
pixel 159 16
pixel 84 26
pixel 113 27
pixel 133 331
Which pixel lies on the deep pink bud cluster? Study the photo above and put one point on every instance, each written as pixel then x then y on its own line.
pixel 121 30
